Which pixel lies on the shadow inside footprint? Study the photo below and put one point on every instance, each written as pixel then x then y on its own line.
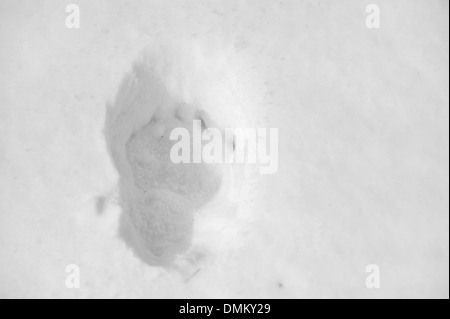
pixel 158 198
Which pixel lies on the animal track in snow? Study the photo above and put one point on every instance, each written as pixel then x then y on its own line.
pixel 158 198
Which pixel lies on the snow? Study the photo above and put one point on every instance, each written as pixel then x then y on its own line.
pixel 363 148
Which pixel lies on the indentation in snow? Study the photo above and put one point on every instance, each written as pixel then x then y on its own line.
pixel 158 198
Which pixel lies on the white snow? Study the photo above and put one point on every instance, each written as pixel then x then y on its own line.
pixel 363 148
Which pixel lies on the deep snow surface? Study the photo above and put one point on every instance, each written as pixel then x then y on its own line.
pixel 363 147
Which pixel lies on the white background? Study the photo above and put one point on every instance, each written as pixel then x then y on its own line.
pixel 363 121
